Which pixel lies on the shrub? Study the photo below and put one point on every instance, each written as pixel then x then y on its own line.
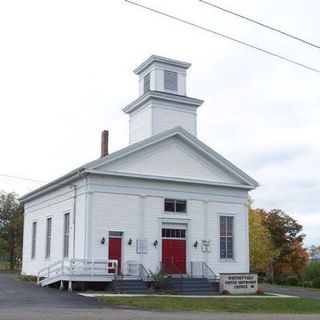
pixel 292 281
pixel 157 280
pixel 311 271
pixel 26 278
pixel 260 292
pixel 316 283
pixel 226 292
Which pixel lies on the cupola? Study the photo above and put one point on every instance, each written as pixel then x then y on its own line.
pixel 162 103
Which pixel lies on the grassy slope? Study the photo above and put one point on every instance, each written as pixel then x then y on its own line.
pixel 276 305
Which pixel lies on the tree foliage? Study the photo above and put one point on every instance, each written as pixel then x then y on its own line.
pixel 288 238
pixel 314 252
pixel 276 243
pixel 262 249
pixel 11 225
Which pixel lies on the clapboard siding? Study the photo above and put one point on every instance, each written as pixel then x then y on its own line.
pixel 202 219
pixel 161 160
pixel 55 206
pixel 140 125
pixel 164 118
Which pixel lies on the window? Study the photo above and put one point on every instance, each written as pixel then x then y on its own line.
pixel 66 235
pixel 173 233
pixel 170 80
pixel 146 83
pixel 226 237
pixel 48 238
pixel 34 235
pixel 173 205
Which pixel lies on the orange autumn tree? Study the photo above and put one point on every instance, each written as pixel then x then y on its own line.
pixel 287 237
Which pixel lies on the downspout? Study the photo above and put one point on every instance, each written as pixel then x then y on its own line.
pixel 74 219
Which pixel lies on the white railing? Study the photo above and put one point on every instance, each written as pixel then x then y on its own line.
pixel 199 269
pixel 79 267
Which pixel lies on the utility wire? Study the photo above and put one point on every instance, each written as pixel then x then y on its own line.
pixel 20 178
pixel 224 36
pixel 260 24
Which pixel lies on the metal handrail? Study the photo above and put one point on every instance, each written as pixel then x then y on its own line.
pixel 208 272
pixel 170 268
pixel 200 269
pixel 144 275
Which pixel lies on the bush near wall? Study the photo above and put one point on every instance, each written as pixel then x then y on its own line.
pixel 311 271
pixel 316 283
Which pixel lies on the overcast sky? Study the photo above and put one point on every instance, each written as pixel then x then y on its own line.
pixel 66 73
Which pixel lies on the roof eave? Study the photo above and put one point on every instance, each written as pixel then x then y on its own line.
pixel 154 58
pixel 168 179
pixel 156 95
pixel 59 182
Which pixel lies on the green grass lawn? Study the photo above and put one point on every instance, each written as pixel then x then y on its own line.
pixel 249 305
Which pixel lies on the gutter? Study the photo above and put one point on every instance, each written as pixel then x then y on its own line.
pixel 62 181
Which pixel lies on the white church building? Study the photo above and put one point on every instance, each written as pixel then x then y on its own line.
pixel 166 201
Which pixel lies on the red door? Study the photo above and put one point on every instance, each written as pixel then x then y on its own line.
pixel 115 251
pixel 174 256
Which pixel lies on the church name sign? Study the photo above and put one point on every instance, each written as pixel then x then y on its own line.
pixel 240 283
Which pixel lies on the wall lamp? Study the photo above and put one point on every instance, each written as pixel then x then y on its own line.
pixel 196 244
pixel 155 243
pixel 130 242
pixel 103 240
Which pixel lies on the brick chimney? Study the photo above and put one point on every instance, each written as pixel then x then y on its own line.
pixel 104 143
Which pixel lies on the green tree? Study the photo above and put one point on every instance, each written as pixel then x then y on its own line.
pixel 262 249
pixel 11 225
pixel 314 252
pixel 287 236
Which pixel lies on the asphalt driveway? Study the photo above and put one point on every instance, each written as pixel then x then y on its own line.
pixel 25 301
pixel 20 295
pixel 292 291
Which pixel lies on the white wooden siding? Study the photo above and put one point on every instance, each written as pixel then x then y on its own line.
pixel 54 205
pixel 171 158
pixel 121 211
pixel 140 124
pixel 165 118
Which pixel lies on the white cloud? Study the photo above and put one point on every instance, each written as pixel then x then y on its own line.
pixel 66 73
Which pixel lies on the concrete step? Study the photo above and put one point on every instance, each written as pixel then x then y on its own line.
pixel 190 286
pixel 130 286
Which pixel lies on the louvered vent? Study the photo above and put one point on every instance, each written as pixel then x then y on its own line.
pixel 170 80
pixel 146 83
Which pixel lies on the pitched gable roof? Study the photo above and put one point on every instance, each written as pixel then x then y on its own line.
pixel 93 166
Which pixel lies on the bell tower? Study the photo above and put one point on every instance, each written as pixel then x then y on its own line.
pixel 162 103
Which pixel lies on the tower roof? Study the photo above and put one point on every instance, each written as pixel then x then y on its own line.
pixel 153 59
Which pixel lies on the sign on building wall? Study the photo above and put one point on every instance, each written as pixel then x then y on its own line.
pixel 142 246
pixel 206 246
pixel 240 283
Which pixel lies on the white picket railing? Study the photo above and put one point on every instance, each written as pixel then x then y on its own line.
pixel 79 267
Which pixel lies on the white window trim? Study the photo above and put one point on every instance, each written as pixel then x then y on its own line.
pixel 33 257
pixel 175 212
pixel 46 237
pixel 63 236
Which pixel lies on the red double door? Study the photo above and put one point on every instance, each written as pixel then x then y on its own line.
pixel 174 256
pixel 115 251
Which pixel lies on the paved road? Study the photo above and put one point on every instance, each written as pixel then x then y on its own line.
pixel 25 301
pixel 293 291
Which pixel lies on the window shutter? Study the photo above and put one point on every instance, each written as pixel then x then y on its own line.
pixel 170 80
pixel 146 83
